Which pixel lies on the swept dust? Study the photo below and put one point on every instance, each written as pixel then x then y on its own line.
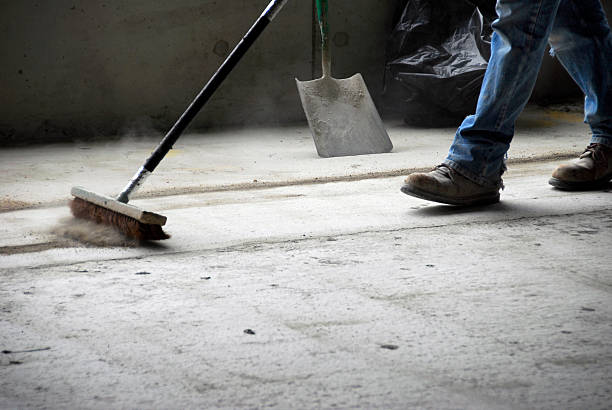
pixel 92 234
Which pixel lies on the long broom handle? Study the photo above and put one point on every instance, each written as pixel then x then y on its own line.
pixel 202 98
pixel 322 13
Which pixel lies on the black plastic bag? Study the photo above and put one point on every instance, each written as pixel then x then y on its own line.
pixel 436 59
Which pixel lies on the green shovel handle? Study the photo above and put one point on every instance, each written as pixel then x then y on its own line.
pixel 322 13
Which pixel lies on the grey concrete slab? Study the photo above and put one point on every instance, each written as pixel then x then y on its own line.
pixel 220 219
pixel 357 295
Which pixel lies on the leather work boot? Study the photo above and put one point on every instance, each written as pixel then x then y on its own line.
pixel 593 170
pixel 447 186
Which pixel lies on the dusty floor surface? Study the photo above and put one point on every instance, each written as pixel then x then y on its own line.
pixel 235 159
pixel 296 282
pixel 348 294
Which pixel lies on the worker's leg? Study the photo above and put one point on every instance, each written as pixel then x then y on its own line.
pixel 581 40
pixel 518 46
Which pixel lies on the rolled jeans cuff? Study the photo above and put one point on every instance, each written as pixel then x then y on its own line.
pixel 602 140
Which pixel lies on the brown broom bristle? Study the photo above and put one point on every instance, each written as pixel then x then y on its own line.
pixel 128 226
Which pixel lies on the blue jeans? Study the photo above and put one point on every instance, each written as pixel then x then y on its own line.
pixel 580 37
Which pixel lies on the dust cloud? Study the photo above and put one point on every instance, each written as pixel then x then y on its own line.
pixel 91 234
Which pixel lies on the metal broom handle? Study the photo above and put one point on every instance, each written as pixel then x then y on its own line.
pixel 202 98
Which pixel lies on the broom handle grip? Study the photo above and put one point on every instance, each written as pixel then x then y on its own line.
pixel 201 99
pixel 323 16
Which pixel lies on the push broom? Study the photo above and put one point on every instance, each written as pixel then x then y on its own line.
pixel 135 222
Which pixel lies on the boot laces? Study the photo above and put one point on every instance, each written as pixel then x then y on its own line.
pixel 446 171
pixel 595 151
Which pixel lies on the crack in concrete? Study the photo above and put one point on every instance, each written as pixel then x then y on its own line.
pixel 35 247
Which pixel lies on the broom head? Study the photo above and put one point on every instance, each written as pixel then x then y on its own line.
pixel 128 219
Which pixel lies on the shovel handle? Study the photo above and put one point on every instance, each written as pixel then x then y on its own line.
pixel 322 13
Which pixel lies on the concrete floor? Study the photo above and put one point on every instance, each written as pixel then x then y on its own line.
pixel 318 286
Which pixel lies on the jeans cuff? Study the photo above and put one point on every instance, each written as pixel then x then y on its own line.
pixel 607 141
pixel 472 176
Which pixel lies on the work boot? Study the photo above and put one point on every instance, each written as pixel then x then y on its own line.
pixel 593 170
pixel 447 186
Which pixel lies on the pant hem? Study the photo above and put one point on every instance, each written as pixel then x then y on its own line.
pixel 602 140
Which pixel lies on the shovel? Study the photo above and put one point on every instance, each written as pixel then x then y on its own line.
pixel 341 114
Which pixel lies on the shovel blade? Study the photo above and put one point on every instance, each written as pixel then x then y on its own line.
pixel 342 117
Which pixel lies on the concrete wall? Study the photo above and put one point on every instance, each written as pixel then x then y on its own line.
pixel 86 68
pixel 98 66
pixel 82 68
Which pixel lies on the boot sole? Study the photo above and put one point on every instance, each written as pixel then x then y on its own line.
pixel 599 184
pixel 488 199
